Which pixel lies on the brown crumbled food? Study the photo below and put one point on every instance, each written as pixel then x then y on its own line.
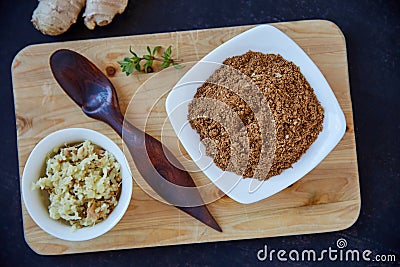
pixel 295 111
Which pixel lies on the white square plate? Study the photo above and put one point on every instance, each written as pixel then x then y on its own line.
pixel 266 39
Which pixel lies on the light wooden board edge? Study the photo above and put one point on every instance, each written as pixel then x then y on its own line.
pixel 353 206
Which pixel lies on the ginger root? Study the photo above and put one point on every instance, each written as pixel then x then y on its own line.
pixel 102 12
pixel 54 17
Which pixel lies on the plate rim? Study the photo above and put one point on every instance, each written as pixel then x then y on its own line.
pixel 331 96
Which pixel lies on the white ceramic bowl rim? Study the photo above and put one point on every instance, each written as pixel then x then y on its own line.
pixel 36 206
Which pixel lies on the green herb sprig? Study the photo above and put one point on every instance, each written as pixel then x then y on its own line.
pixel 130 64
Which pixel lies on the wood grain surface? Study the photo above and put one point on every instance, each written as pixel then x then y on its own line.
pixel 326 199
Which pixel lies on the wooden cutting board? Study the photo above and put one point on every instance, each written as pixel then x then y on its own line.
pixel 327 199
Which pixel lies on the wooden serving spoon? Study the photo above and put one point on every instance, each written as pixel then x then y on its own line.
pixel 94 93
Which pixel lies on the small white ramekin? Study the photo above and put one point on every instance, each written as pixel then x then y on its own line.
pixel 36 205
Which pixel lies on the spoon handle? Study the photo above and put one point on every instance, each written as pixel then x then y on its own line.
pixel 161 170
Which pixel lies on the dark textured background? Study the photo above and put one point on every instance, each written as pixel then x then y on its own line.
pixel 372 31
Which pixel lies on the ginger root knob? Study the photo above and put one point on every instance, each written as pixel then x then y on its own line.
pixel 102 12
pixel 54 17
